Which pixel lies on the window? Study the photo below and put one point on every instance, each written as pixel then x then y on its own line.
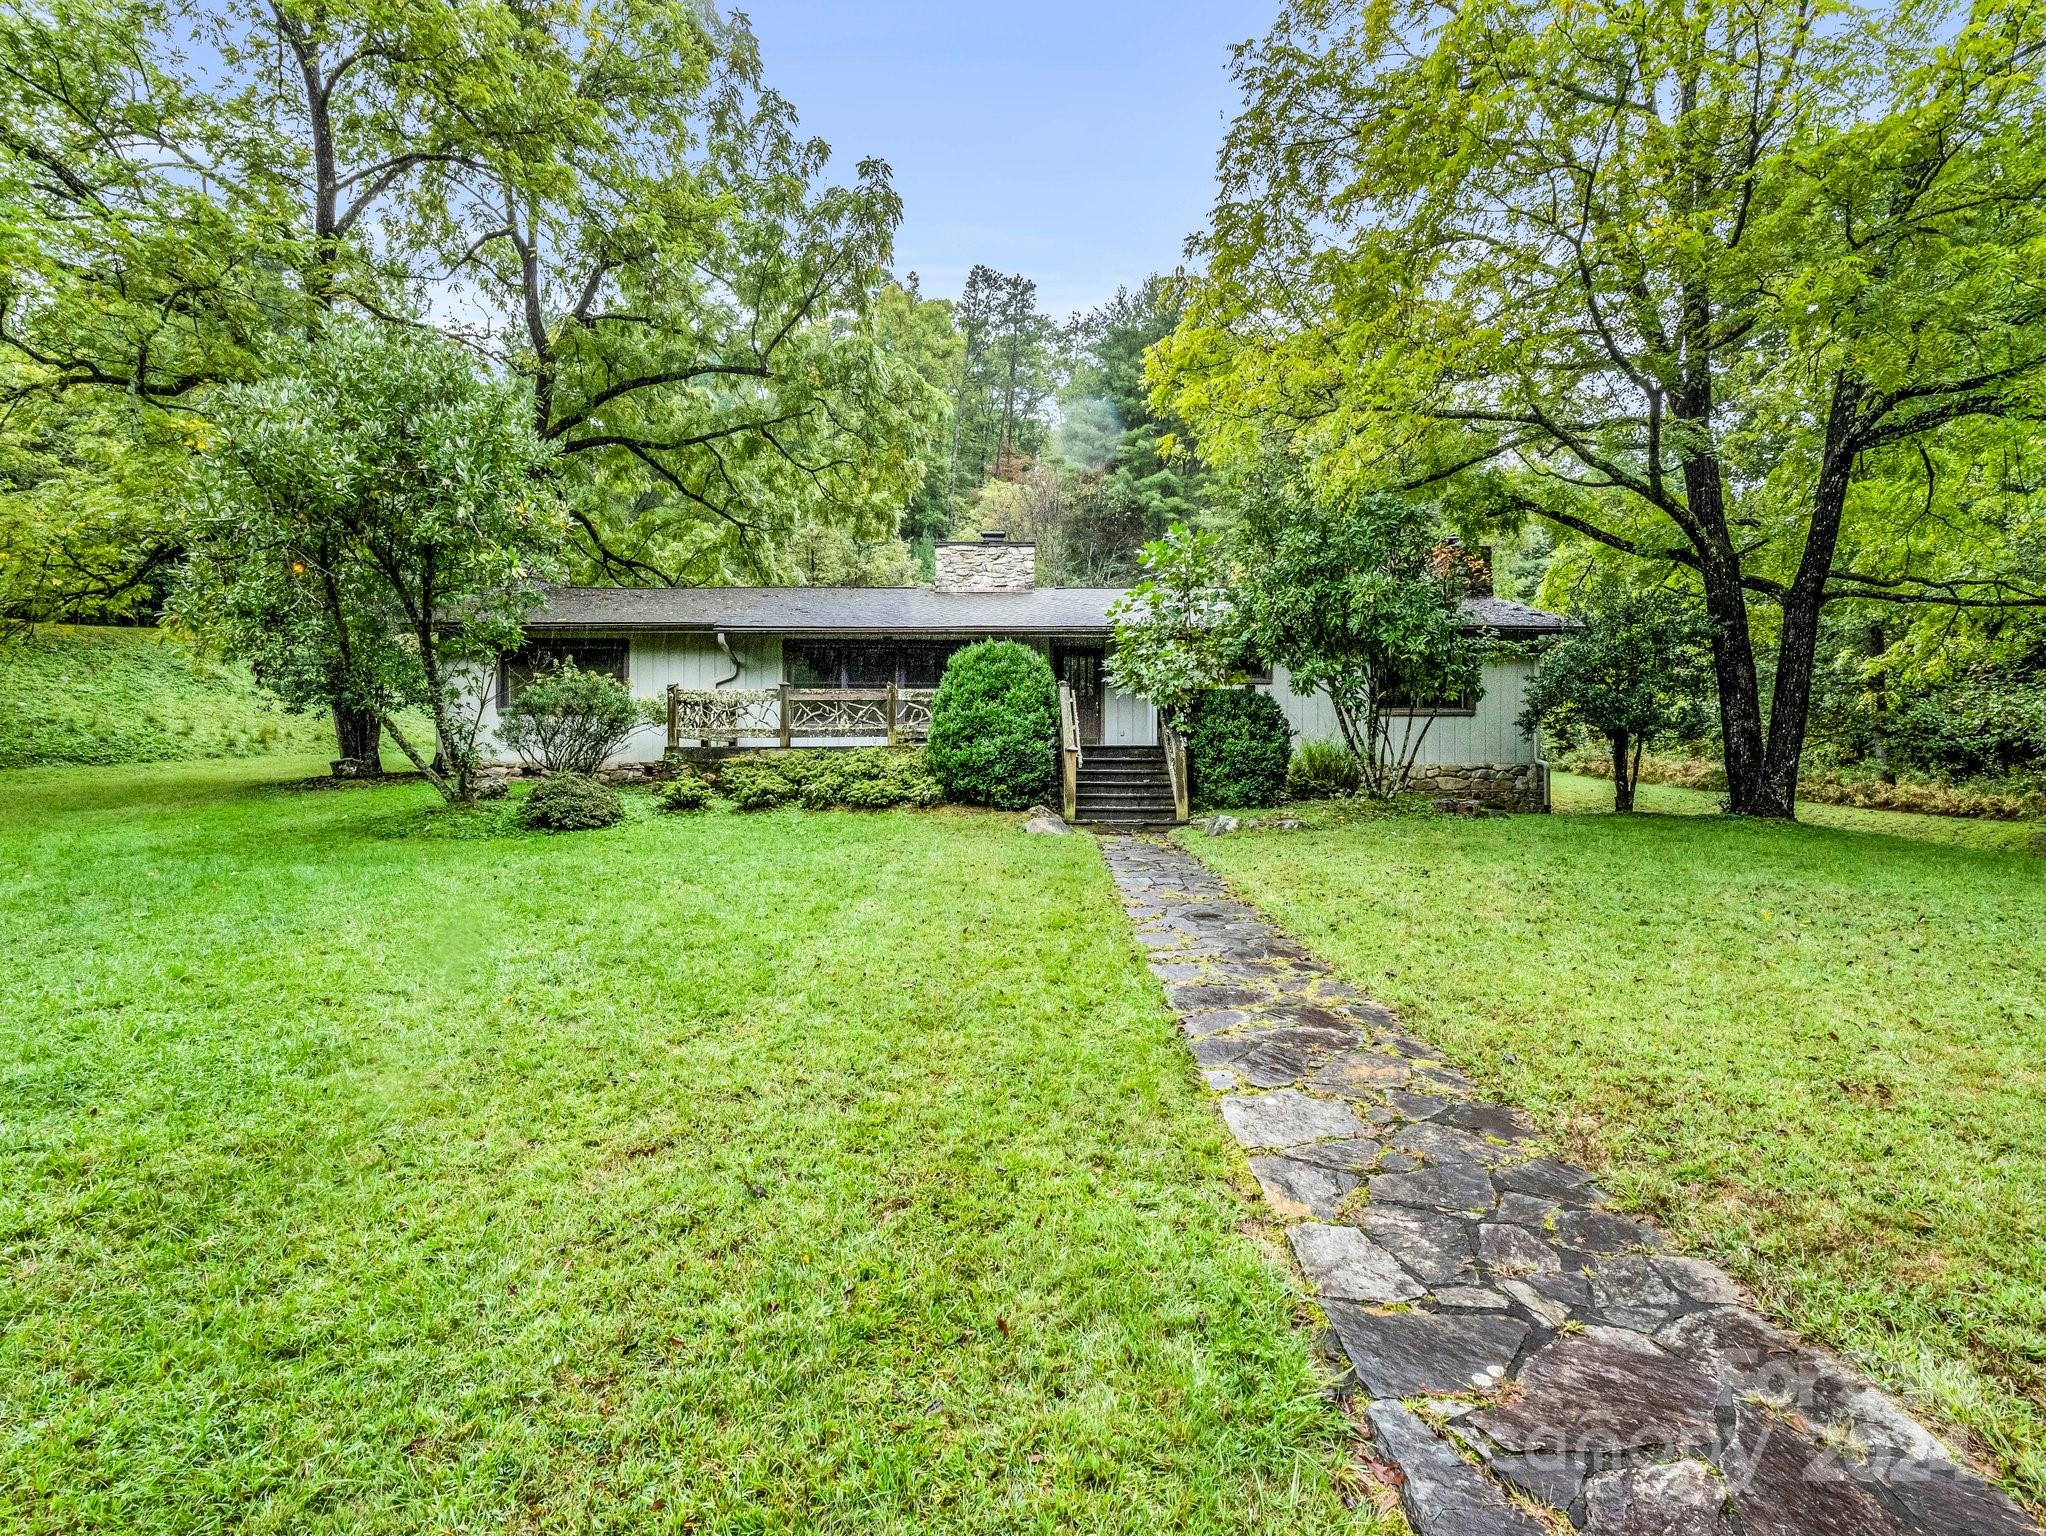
pixel 866 663
pixel 1397 702
pixel 537 656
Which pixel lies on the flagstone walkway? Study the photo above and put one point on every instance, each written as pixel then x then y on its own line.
pixel 1519 1349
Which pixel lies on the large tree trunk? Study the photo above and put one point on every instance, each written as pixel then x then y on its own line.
pixel 1740 689
pixel 1623 774
pixel 1797 654
pixel 358 737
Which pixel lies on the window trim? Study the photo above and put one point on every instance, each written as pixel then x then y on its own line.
pixel 896 646
pixel 563 648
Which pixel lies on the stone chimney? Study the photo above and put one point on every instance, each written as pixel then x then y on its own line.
pixel 1470 569
pixel 989 563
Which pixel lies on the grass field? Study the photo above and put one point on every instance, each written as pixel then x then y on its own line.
pixel 1818 1052
pixel 369 1171
pixel 105 695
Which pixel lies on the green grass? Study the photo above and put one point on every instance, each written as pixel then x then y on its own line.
pixel 92 695
pixel 1574 792
pixel 1816 1053
pixel 369 1168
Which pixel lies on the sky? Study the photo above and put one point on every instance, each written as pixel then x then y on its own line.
pixel 1072 142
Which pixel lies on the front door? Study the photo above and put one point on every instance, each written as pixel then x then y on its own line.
pixel 1080 666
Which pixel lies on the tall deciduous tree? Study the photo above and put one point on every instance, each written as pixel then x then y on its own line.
pixel 1751 288
pixel 374 531
pixel 605 198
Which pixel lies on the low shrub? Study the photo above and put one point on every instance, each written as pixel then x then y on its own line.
pixel 570 802
pixel 753 784
pixel 1322 770
pixel 1238 744
pixel 567 720
pixel 685 792
pixel 1866 790
pixel 819 779
pixel 994 726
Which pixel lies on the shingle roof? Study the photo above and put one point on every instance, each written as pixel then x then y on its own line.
pixel 897 610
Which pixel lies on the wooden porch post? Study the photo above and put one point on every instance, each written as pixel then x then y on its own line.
pixel 784 714
pixel 891 712
pixel 674 717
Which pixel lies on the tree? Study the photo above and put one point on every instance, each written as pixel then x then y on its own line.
pixel 1349 597
pixel 1746 290
pixel 1638 673
pixel 375 531
pixel 1109 421
pixel 604 200
pixel 1006 380
pixel 1176 630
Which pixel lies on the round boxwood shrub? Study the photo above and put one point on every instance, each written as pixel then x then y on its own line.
pixel 685 792
pixel 570 802
pixel 994 726
pixel 1237 747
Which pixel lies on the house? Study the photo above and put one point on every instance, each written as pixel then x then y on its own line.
pixel 821 666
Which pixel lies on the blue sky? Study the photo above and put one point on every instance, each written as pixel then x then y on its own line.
pixel 1072 142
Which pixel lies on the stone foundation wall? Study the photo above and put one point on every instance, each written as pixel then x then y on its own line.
pixel 1497 786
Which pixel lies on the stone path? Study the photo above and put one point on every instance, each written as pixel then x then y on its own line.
pixel 1523 1353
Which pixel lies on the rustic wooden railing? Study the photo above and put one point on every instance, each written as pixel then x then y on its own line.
pixel 1069 751
pixel 726 716
pixel 1175 768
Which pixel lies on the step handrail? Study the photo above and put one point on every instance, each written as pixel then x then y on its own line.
pixel 1175 768
pixel 1069 751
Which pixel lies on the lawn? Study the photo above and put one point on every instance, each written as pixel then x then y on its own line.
pixel 1817 1054
pixel 372 1169
pixel 89 694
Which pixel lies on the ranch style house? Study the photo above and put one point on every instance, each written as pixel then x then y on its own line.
pixel 768 667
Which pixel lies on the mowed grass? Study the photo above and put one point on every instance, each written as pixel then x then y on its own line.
pixel 363 1172
pixel 1817 1054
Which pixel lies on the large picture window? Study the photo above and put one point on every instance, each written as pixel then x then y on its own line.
pixel 866 663
pixel 537 656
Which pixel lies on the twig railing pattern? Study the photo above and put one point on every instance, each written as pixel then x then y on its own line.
pixel 727 716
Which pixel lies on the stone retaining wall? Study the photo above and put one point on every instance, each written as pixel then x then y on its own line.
pixel 1500 786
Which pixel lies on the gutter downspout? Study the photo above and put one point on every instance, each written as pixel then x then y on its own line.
pixel 726 646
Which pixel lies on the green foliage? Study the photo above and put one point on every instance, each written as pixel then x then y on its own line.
pixel 654 247
pixel 372 533
pixel 570 802
pixel 568 720
pixel 135 696
pixel 1238 745
pixel 1176 632
pixel 1783 340
pixel 1638 675
pixel 1322 770
pixel 755 784
pixel 685 792
pixel 1980 726
pixel 1110 422
pixel 994 726
pixel 1343 593
pixel 1007 367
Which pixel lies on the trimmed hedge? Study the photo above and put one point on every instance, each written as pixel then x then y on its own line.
pixel 570 802
pixel 1238 747
pixel 818 779
pixel 994 726
pixel 753 784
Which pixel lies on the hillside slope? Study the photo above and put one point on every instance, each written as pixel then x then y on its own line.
pixel 92 695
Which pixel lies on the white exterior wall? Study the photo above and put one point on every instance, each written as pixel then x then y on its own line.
pixel 695 661
pixel 1127 720
pixel 1489 734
